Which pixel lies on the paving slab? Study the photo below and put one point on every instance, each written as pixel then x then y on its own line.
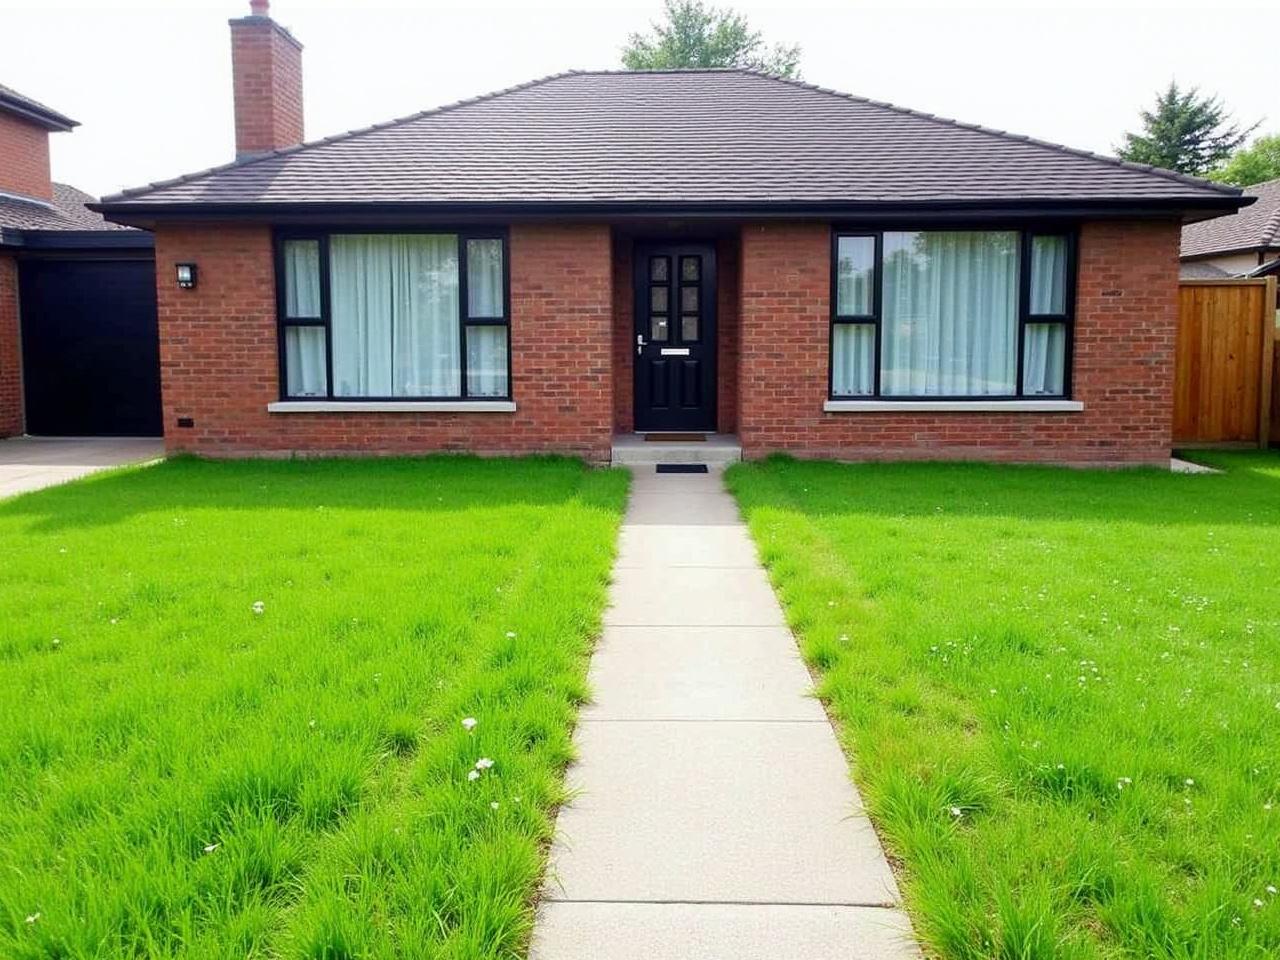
pixel 32 463
pixel 701 673
pixel 674 545
pixel 695 509
pixel 682 931
pixel 716 812
pixel 692 596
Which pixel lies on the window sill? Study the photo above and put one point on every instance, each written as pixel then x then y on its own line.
pixel 953 406
pixel 392 406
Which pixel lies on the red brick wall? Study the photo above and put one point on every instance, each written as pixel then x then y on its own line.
pixel 623 335
pixel 1126 316
pixel 10 353
pixel 266 75
pixel 218 355
pixel 24 158
pixel 728 295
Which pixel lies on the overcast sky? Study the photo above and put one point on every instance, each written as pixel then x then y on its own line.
pixel 150 82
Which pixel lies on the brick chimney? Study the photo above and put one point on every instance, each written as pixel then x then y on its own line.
pixel 266 74
pixel 25 126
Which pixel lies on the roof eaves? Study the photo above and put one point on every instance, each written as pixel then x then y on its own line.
pixel 132 192
pixel 14 102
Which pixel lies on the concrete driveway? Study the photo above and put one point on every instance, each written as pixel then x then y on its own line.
pixel 31 463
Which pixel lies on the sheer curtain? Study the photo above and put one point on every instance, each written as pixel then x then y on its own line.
pixel 1044 358
pixel 950 314
pixel 394 307
pixel 1048 275
pixel 853 360
pixel 304 361
pixel 302 278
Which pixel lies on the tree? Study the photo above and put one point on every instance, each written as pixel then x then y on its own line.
pixel 695 34
pixel 1186 132
pixel 1255 163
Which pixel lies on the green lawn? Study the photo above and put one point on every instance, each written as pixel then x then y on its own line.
pixel 182 775
pixel 1061 691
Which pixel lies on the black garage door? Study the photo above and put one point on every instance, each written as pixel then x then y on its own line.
pixel 90 353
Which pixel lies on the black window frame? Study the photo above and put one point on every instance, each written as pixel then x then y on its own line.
pixel 325 321
pixel 1024 316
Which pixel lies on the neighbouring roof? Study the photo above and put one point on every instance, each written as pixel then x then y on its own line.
pixel 1256 227
pixel 11 101
pixel 1198 270
pixel 675 140
pixel 67 211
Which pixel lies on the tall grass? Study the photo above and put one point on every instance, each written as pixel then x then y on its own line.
pixel 1060 691
pixel 183 775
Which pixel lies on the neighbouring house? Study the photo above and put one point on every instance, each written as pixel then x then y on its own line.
pixel 592 254
pixel 79 351
pixel 1243 244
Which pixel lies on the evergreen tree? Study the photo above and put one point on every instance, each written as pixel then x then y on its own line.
pixel 1186 132
pixel 694 34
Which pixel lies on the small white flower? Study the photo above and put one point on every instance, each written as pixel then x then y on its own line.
pixel 511 634
pixel 494 805
pixel 311 724
pixel 468 724
pixel 957 812
pixel 484 763
pixel 1267 805
pixel 259 606
pixel 473 775
pixel 209 848
pixel 1257 902
pixel 33 917
pixel 1271 889
pixel 1189 782
pixel 56 643
pixel 114 621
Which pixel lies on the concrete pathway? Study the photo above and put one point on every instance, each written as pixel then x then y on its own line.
pixel 714 817
pixel 31 463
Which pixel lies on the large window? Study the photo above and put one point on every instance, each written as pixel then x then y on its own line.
pixel 393 316
pixel 955 314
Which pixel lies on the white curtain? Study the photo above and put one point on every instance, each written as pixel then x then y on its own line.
pixel 395 315
pixel 486 361
pixel 484 278
pixel 1045 354
pixel 304 361
pixel 950 314
pixel 1048 275
pixel 853 360
pixel 302 278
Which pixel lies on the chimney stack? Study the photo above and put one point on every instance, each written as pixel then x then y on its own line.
pixel 266 75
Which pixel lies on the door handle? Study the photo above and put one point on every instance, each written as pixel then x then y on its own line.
pixel 640 344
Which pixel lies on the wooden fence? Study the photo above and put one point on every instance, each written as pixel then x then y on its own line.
pixel 1225 363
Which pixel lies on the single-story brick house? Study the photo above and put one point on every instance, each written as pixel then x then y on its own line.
pixel 597 253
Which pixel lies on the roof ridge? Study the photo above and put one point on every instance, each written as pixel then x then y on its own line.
pixel 1225 189
pixel 332 138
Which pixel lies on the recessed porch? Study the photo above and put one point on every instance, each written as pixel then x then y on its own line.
pixel 715 449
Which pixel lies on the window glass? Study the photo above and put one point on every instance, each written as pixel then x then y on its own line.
pixel 855 269
pixel 1048 275
pixel 484 278
pixel 949 314
pixel 690 268
pixel 853 354
pixel 302 279
pixel 394 315
pixel 1044 363
pixel 658 267
pixel 689 328
pixel 657 328
pixel 689 299
pixel 658 299
pixel 304 362
pixel 487 361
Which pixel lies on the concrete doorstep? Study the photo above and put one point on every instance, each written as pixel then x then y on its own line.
pixel 713 815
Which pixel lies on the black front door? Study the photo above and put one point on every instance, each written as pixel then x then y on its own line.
pixel 675 337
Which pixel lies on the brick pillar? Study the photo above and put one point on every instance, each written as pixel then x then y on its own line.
pixel 10 354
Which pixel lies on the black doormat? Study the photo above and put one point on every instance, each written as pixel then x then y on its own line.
pixel 681 468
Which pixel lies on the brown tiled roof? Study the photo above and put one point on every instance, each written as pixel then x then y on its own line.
pixel 11 101
pixel 675 137
pixel 67 211
pixel 1256 227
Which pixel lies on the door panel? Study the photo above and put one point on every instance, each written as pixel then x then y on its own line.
pixel 675 343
